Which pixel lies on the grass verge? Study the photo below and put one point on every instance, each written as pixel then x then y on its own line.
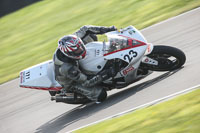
pixel 179 115
pixel 29 36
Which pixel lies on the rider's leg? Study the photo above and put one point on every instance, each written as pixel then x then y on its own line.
pixel 96 93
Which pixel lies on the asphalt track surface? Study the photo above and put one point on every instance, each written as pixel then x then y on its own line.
pixel 25 110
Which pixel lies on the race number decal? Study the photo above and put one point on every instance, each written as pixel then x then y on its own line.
pixel 130 55
pixel 24 75
pixel 27 75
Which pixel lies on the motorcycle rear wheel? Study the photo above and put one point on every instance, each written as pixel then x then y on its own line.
pixel 169 58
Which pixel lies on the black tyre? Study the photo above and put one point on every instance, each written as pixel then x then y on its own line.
pixel 169 58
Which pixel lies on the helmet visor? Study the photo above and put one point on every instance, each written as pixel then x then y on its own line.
pixel 78 52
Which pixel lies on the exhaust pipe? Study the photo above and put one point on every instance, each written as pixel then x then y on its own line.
pixel 71 98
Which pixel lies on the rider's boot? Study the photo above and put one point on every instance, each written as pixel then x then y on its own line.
pixel 96 93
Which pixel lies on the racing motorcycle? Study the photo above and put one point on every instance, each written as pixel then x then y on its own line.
pixel 126 51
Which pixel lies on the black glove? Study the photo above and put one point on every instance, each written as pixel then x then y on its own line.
pixel 105 30
pixel 112 28
pixel 95 80
pixel 111 72
pixel 106 74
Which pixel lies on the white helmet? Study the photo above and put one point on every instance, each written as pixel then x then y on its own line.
pixel 72 47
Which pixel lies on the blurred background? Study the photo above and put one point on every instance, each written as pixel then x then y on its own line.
pixel 29 29
pixel 9 6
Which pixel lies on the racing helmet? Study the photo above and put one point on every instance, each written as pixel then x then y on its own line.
pixel 72 47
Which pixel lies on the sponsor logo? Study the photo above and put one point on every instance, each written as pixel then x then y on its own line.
pixel 22 76
pixel 126 71
pixel 149 48
pixel 146 60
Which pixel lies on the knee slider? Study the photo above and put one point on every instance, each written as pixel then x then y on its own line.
pixel 102 96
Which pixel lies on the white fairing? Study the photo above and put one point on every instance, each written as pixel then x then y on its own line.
pixel 40 76
pixel 99 53
pixel 94 60
pixel 128 44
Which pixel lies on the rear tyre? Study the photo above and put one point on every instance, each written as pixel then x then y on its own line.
pixel 169 58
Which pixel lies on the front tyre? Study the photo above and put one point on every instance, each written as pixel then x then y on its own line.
pixel 169 58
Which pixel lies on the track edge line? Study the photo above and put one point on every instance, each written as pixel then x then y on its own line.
pixel 142 106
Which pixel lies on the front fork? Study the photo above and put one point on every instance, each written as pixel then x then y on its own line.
pixel 150 61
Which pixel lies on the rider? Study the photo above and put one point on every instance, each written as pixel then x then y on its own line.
pixel 71 49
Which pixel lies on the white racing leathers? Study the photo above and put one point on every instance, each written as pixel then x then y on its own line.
pixel 67 71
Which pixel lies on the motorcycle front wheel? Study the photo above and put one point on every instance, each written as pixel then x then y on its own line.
pixel 169 58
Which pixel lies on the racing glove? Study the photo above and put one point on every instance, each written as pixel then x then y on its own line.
pixel 105 30
pixel 112 28
pixel 95 80
pixel 104 75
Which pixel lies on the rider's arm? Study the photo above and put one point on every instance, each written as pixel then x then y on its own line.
pixel 90 29
pixel 68 67
pixel 72 72
pixel 102 76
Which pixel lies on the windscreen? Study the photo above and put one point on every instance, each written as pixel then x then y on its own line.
pixel 119 42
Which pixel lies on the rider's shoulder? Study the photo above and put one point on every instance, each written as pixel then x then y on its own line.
pixel 87 27
pixel 59 58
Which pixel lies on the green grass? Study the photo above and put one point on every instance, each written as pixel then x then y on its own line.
pixel 29 36
pixel 180 115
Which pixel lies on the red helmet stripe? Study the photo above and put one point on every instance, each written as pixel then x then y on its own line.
pixel 68 49
pixel 83 55
pixel 71 49
pixel 65 50
pixel 61 48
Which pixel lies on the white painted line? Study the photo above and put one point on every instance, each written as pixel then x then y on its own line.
pixel 142 106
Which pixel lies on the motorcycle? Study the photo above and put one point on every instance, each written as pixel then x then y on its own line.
pixel 126 51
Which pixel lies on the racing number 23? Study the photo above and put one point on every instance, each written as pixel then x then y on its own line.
pixel 130 55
